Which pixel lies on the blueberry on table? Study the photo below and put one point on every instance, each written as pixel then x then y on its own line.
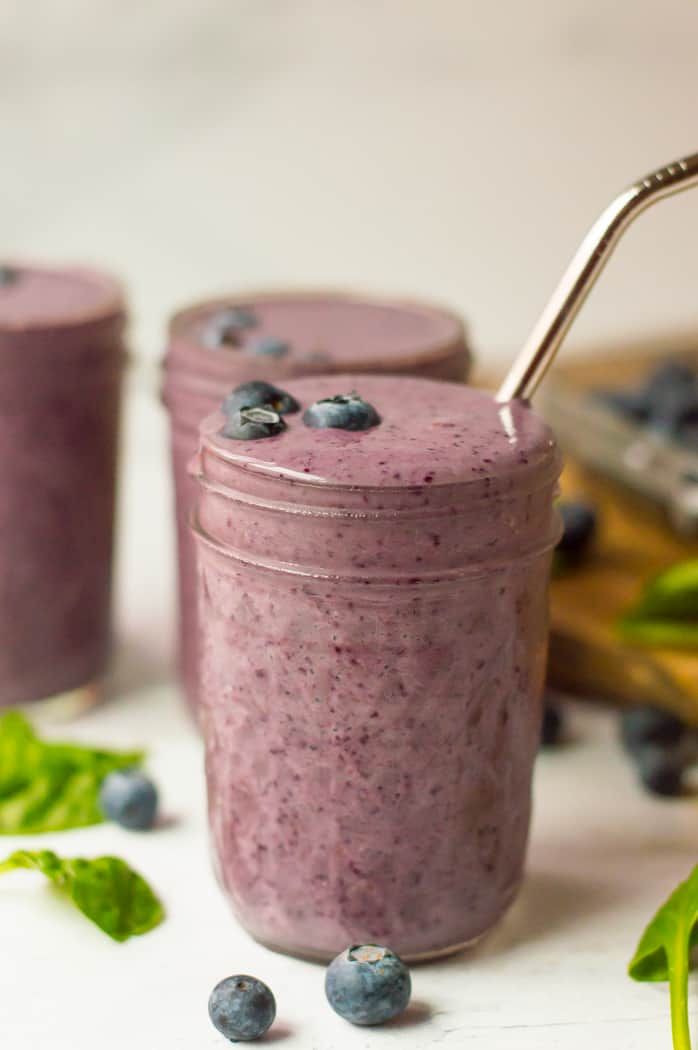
pixel 648 725
pixel 268 346
pixel 342 412
pixel 8 275
pixel 242 1008
pixel 660 770
pixel 368 984
pixel 129 798
pixel 579 527
pixel 551 729
pixel 251 424
pixel 257 393
pixel 226 327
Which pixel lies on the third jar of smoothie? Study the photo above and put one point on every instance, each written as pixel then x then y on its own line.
pixel 217 344
pixel 373 624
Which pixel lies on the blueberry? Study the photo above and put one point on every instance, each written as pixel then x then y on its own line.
pixel 129 798
pixel 343 411
pixel 268 346
pixel 551 730
pixel 648 725
pixel 631 404
pixel 368 984
pixel 250 424
pixel 660 770
pixel 8 275
pixel 226 327
pixel 257 393
pixel 242 1008
pixel 579 527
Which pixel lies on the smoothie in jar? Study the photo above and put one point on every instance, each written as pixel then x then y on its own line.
pixel 374 623
pixel 61 361
pixel 218 344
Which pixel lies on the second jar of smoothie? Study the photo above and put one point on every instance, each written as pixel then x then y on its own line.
pixel 373 622
pixel 219 343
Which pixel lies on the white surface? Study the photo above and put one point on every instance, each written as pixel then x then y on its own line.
pixel 454 149
pixel 603 857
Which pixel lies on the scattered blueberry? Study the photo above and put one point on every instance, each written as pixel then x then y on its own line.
pixel 579 527
pixel 660 770
pixel 257 393
pixel 250 424
pixel 368 984
pixel 667 402
pixel 242 1008
pixel 643 726
pixel 8 275
pixel 268 346
pixel 343 411
pixel 551 730
pixel 225 327
pixel 129 798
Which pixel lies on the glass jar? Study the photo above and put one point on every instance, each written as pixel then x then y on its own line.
pixel 373 628
pixel 61 362
pixel 318 333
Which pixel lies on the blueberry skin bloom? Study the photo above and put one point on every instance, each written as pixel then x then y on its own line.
pixel 226 327
pixel 341 412
pixel 368 984
pixel 129 798
pixel 242 1008
pixel 257 393
pixel 250 424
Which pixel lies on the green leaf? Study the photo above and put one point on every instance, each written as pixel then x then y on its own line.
pixel 47 786
pixel 663 953
pixel 667 613
pixel 105 889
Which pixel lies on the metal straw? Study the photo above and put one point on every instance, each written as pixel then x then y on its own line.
pixel 537 354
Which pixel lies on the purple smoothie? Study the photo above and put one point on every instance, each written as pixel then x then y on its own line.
pixel 61 359
pixel 323 332
pixel 374 623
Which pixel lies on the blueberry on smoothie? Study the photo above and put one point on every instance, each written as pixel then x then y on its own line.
pixel 343 412
pixel 257 393
pixel 368 984
pixel 8 275
pixel 251 424
pixel 242 1008
pixel 268 346
pixel 226 327
pixel 129 798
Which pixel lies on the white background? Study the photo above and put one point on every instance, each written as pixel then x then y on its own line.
pixel 448 148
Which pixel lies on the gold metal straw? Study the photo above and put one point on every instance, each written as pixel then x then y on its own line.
pixel 536 356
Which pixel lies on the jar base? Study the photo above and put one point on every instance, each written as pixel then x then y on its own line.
pixel 70 704
pixel 408 957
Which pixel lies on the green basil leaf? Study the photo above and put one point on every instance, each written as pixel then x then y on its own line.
pixel 663 953
pixel 105 889
pixel 48 786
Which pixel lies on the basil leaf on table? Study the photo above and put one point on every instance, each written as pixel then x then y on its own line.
pixel 663 953
pixel 109 892
pixel 667 613
pixel 47 786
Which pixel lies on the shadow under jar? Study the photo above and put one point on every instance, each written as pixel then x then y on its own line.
pixel 373 611
pixel 278 336
pixel 61 362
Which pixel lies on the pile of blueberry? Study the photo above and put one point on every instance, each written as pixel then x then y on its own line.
pixel 660 745
pixel 256 409
pixel 366 984
pixel 667 403
pixel 229 326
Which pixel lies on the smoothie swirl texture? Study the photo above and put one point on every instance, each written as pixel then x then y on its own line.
pixel 373 610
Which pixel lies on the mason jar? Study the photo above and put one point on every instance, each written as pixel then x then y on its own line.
pixel 61 362
pixel 220 343
pixel 373 616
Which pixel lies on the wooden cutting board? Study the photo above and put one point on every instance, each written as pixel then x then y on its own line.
pixel 634 543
